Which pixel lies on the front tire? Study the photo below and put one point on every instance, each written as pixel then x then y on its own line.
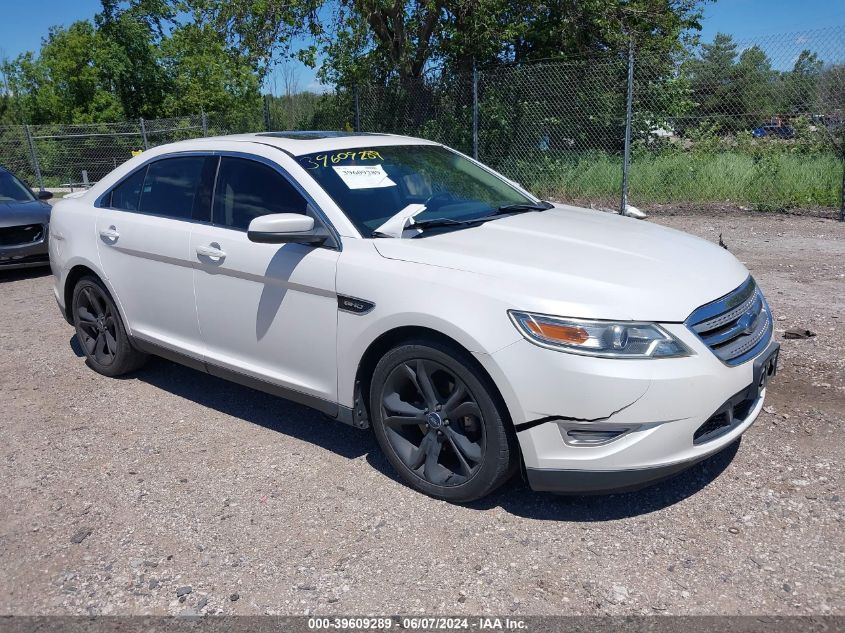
pixel 437 419
pixel 100 330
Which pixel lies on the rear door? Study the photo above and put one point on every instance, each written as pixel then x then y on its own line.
pixel 143 237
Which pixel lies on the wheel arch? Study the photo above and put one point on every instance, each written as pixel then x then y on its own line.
pixel 77 272
pixel 72 278
pixel 393 337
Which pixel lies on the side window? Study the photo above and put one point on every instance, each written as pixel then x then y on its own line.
pixel 247 189
pixel 128 193
pixel 178 187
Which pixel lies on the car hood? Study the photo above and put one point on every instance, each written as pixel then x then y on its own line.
pixel 581 263
pixel 16 213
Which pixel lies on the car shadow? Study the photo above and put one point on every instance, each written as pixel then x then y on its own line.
pixel 518 499
pixel 515 497
pixel 19 274
pixel 277 277
pixel 256 407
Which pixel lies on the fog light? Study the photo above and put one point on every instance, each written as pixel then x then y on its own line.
pixel 587 436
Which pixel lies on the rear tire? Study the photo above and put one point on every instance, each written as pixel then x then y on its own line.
pixel 100 330
pixel 438 420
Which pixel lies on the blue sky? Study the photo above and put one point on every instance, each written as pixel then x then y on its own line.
pixel 25 23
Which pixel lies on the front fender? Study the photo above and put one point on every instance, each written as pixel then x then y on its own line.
pixel 460 305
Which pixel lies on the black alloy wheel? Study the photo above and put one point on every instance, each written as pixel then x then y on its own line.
pixel 97 326
pixel 433 422
pixel 437 420
pixel 100 330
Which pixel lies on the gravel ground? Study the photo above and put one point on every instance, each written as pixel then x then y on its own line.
pixel 170 491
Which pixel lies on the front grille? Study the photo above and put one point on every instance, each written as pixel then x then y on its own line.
pixel 736 327
pixel 715 426
pixel 18 235
pixel 729 416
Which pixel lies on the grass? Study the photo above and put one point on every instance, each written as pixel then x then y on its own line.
pixel 771 182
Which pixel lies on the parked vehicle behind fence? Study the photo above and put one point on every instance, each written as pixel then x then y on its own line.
pixel 773 131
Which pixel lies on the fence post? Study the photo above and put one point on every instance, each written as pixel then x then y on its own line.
pixel 34 158
pixel 842 207
pixel 144 133
pixel 357 105
pixel 629 107
pixel 474 111
pixel 204 123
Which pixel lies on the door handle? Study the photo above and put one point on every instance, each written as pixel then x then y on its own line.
pixel 211 251
pixel 110 233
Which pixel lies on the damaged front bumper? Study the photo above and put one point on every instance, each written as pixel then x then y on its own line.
pixel 591 425
pixel 24 255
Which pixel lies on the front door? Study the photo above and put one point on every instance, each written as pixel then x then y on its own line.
pixel 266 311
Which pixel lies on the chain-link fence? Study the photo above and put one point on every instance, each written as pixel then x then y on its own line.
pixel 77 155
pixel 70 156
pixel 758 124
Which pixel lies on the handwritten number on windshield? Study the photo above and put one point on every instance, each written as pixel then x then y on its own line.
pixel 323 160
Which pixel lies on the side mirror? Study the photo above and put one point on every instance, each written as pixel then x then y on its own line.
pixel 283 228
pixel 43 194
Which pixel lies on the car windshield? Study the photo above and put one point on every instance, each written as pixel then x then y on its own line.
pixel 13 190
pixel 372 184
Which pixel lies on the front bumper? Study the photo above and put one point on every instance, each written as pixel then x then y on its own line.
pixel 593 482
pixel 653 411
pixel 24 255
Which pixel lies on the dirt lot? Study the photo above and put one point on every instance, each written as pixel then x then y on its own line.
pixel 120 495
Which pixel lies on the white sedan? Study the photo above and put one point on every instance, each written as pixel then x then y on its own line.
pixel 396 284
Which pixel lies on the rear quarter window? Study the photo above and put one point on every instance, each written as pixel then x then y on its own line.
pixel 127 194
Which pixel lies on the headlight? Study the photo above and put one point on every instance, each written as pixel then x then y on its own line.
pixel 607 339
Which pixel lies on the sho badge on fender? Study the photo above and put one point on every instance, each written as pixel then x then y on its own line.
pixel 354 305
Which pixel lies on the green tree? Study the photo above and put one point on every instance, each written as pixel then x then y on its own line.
pixel 803 83
pixel 754 84
pixel 127 55
pixel 134 59
pixel 711 77
pixel 63 83
pixel 402 39
pixel 204 75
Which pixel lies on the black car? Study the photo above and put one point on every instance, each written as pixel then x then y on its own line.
pixel 24 220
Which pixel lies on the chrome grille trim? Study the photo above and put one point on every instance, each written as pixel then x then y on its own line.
pixel 735 327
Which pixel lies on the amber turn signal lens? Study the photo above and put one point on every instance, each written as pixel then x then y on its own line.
pixel 562 333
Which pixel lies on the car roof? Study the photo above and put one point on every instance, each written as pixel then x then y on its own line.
pixel 299 143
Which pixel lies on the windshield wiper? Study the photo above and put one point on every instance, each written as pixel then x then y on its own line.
pixel 520 207
pixel 503 210
pixel 396 225
pixel 438 222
